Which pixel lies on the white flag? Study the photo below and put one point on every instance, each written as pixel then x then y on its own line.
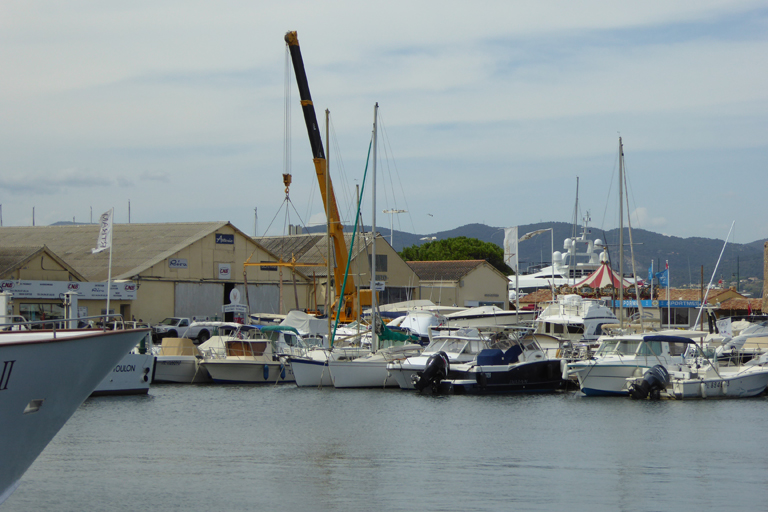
pixel 532 234
pixel 105 232
pixel 510 247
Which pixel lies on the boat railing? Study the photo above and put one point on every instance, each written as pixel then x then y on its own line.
pixel 100 322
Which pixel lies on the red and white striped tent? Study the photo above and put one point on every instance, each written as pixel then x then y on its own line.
pixel 603 277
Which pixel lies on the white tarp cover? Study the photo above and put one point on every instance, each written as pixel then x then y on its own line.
pixel 306 324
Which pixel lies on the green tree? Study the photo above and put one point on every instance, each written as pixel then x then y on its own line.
pixel 459 248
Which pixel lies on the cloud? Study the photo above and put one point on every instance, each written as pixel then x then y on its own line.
pixel 645 221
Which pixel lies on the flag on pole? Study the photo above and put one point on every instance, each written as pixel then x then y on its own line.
pixel 510 247
pixel 104 241
pixel 532 234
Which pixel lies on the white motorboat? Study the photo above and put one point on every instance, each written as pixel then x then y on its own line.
pixel 44 377
pixel 459 345
pixel 620 358
pixel 178 360
pixel 701 376
pixel 488 315
pixel 249 354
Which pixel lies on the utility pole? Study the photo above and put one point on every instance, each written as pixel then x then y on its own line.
pixel 391 222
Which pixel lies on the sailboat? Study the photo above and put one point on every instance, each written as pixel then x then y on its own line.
pixel 371 370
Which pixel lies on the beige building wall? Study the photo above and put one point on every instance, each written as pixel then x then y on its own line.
pixel 42 268
pixel 442 293
pixel 156 293
pixel 483 284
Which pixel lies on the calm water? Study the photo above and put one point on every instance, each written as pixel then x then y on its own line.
pixel 284 448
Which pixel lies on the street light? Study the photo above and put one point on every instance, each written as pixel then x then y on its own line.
pixel 391 222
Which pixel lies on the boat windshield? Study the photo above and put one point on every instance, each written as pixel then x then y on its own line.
pixel 618 347
pixel 451 345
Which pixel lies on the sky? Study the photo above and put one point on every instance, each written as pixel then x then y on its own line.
pixel 490 112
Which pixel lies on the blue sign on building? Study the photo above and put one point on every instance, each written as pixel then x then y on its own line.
pixel 225 239
pixel 660 303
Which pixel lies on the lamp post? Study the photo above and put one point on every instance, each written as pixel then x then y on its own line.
pixel 391 222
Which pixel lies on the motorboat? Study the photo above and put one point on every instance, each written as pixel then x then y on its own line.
pixel 622 357
pixel 178 360
pixel 458 345
pixel 488 315
pixel 44 377
pixel 701 376
pixel 249 354
pixel 514 365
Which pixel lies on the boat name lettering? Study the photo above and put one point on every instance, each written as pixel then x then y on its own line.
pixel 712 385
pixel 5 375
pixel 121 368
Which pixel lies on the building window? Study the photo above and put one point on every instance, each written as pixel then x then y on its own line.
pixel 680 317
pixel 381 262
pixel 41 312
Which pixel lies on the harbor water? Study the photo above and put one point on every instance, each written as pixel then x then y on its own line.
pixel 216 447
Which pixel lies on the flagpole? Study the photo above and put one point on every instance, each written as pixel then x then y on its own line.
pixel 109 271
pixel 669 308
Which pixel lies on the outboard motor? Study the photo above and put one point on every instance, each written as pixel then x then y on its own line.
pixel 435 371
pixel 654 380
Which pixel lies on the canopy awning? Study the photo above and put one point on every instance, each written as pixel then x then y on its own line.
pixel 602 277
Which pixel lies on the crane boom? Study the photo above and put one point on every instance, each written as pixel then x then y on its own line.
pixel 336 230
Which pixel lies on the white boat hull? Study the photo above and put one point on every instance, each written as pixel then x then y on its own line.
pixel 742 385
pixel 361 373
pixel 131 376
pixel 311 372
pixel 258 372
pixel 607 379
pixel 181 369
pixel 404 374
pixel 42 382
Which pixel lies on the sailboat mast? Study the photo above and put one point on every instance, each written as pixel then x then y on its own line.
pixel 621 234
pixel 374 337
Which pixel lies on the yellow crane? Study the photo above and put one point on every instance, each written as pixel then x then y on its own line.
pixel 344 292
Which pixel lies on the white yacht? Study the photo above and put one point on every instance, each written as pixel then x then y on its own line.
pixel 44 377
pixel 574 319
pixel 580 257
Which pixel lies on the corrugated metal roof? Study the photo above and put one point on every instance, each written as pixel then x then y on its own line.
pixel 135 247
pixel 309 249
pixel 444 270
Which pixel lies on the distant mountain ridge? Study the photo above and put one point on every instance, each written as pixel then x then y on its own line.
pixel 686 256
